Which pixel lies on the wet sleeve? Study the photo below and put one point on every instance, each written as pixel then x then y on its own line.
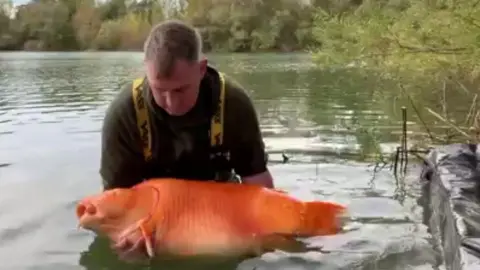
pixel 121 164
pixel 247 150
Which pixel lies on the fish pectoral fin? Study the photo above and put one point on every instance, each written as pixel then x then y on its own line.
pixel 147 236
pixel 146 232
pixel 285 242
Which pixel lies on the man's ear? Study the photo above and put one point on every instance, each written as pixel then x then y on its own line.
pixel 203 66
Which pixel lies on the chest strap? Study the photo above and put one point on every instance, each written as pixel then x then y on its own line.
pixel 216 126
pixel 143 121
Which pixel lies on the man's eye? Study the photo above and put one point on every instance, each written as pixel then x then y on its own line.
pixel 179 90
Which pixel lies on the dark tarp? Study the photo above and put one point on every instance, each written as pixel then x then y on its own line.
pixel 451 189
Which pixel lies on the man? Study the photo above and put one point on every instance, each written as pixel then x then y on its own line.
pixel 160 126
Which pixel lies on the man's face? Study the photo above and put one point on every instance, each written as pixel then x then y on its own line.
pixel 178 93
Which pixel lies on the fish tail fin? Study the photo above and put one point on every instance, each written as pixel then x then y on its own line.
pixel 322 218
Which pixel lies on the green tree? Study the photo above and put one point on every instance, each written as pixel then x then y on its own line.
pixel 430 48
pixel 226 25
pixel 7 40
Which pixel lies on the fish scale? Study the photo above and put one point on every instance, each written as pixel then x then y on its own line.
pixel 197 214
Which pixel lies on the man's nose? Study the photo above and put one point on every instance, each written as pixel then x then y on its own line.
pixel 168 99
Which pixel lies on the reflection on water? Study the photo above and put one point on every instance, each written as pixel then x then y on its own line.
pixel 51 111
pixel 293 99
pixel 99 255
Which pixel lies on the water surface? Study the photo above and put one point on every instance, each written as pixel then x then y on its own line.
pixel 51 111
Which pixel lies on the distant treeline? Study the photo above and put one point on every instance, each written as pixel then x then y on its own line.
pixel 226 25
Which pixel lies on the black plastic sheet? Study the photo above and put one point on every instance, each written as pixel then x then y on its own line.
pixel 451 187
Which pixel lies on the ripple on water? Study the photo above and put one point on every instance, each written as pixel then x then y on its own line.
pixel 357 250
pixel 51 108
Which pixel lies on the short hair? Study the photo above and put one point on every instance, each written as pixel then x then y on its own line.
pixel 170 41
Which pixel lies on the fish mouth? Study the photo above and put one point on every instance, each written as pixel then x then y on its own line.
pixel 81 210
pixel 86 209
pixel 87 215
pixel 92 219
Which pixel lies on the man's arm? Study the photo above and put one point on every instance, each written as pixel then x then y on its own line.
pixel 265 179
pixel 248 154
pixel 121 163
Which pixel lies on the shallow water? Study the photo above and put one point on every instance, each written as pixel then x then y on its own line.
pixel 51 108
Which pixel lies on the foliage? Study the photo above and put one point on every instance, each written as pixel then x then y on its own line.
pixel 430 48
pixel 226 25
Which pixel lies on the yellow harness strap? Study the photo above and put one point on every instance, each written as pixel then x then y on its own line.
pixel 143 122
pixel 216 127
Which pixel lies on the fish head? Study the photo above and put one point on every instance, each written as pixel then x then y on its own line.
pixel 105 212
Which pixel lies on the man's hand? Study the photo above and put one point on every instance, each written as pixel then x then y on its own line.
pixel 131 252
pixel 264 179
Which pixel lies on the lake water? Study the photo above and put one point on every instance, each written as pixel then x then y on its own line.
pixel 51 111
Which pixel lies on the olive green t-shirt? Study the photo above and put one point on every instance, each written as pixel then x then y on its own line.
pixel 180 144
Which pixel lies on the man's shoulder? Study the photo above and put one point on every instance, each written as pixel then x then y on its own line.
pixel 236 96
pixel 240 111
pixel 123 101
pixel 242 129
pixel 121 108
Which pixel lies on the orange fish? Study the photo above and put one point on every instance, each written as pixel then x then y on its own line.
pixel 206 218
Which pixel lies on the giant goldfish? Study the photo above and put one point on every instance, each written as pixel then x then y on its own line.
pixel 206 218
